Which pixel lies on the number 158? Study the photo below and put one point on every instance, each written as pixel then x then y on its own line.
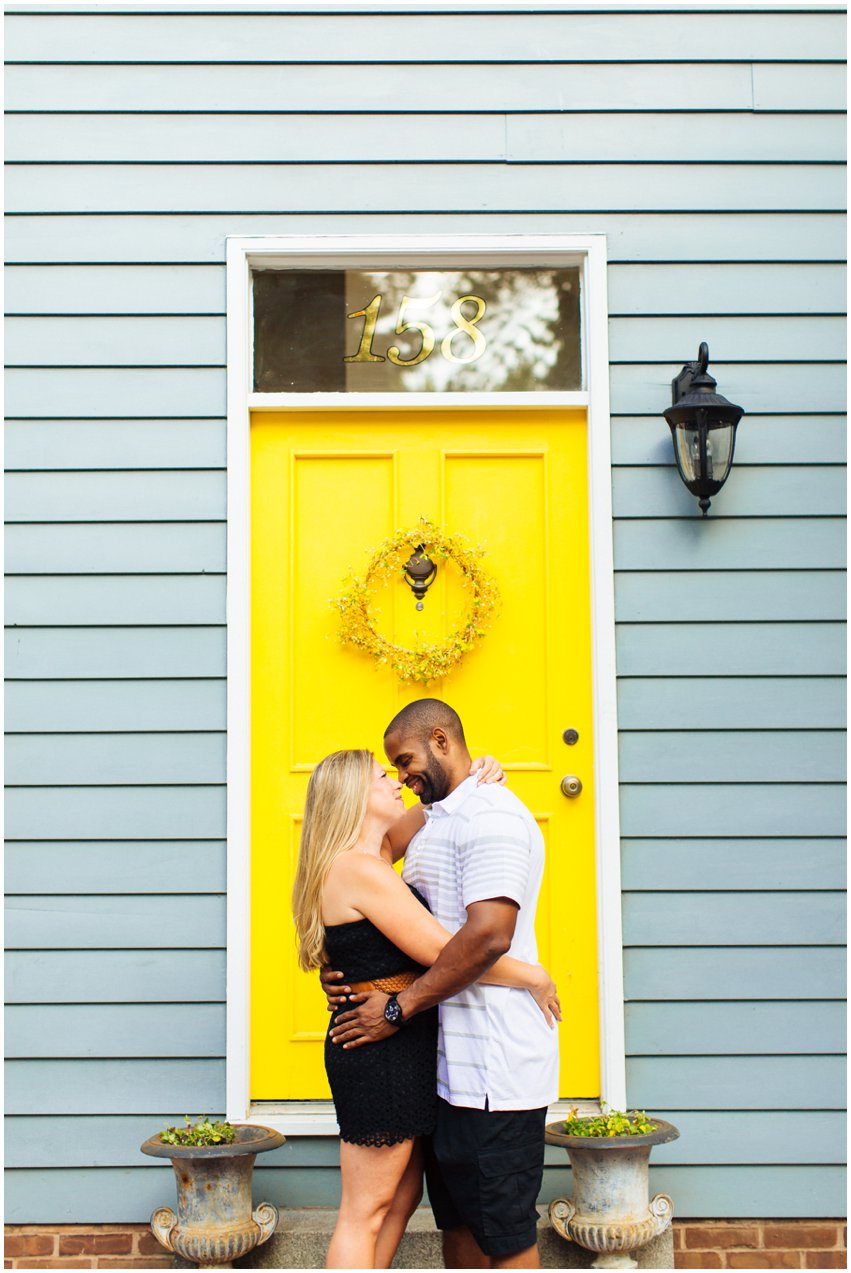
pixel 465 331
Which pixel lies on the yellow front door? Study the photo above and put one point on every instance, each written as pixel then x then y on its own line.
pixel 327 488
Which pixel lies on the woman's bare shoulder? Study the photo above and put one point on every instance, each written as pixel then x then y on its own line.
pixel 354 865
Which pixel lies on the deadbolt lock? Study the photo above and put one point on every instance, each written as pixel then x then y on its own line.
pixel 571 786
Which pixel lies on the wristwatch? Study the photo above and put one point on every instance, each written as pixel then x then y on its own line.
pixel 393 1013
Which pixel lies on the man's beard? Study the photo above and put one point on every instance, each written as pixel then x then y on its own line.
pixel 434 782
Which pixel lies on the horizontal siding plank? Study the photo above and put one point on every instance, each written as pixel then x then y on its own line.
pixel 744 809
pixel 36 706
pixel 733 864
pixel 114 1087
pixel 131 187
pixel 798 439
pixel 341 138
pixel 199 341
pixel 734 919
pixel 115 976
pixel 633 237
pixel 89 392
pixel 113 548
pixel 83 341
pixel 71 653
pixel 114 289
pixel 111 599
pixel 117 813
pixel 125 759
pixel 114 922
pixel 712 973
pixel 689 596
pixel 115 1030
pixel 750 339
pixel 86 1140
pixel 760 389
pixel 91 1140
pixel 448 37
pixel 720 1082
pixel 643 138
pixel 710 755
pixel 114 866
pixel 701 289
pixel 783 88
pixel 154 496
pixel 733 1029
pixel 749 492
pixel 729 1192
pixel 761 649
pixel 742 1136
pixel 731 543
pixel 636 288
pixel 306 90
pixel 115 444
pixel 763 702
pixel 130 1194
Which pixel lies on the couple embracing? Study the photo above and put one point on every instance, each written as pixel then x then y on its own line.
pixel 460 1092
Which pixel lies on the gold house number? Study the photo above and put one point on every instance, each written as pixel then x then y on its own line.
pixel 453 347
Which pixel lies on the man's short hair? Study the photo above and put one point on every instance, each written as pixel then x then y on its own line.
pixel 424 716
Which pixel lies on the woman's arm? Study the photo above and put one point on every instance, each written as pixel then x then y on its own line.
pixel 402 833
pixel 516 973
pixel 382 897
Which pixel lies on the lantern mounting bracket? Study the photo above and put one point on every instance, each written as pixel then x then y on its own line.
pixel 681 384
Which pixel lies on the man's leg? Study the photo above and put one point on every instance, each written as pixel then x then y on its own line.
pixel 528 1259
pixel 462 1251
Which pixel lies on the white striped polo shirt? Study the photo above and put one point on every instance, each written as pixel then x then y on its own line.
pixel 481 842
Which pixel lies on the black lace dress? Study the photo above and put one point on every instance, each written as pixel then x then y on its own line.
pixel 384 1092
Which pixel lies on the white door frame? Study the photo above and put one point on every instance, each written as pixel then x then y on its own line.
pixel 412 251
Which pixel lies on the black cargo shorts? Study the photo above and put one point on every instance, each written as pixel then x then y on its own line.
pixel 484 1170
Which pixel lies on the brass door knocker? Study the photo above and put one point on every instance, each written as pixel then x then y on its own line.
pixel 420 573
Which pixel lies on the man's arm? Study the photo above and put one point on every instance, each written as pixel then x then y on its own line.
pixel 475 947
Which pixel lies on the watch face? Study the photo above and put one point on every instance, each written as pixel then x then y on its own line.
pixel 392 1012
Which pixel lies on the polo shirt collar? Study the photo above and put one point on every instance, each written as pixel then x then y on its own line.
pixel 453 802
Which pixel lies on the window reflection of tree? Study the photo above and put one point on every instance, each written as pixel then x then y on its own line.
pixel 531 325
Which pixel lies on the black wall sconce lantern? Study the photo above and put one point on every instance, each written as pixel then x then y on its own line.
pixel 703 429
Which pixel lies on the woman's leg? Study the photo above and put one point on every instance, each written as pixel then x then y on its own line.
pixel 408 1197
pixel 370 1176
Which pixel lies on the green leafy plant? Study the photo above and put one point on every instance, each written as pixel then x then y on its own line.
pixel 612 1122
pixel 201 1133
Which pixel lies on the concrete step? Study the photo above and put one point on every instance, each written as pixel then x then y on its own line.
pixel 302 1238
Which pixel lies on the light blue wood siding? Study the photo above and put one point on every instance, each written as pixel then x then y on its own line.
pixel 708 148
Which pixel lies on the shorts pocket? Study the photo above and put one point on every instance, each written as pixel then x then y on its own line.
pixel 509 1184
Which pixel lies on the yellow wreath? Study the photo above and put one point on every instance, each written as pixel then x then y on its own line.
pixel 426 661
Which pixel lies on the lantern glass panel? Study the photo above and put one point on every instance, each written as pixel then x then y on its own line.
pixel 687 448
pixel 719 452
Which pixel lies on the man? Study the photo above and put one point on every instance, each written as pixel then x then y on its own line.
pixel 478 861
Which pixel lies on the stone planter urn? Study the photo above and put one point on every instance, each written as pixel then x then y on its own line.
pixel 609 1212
pixel 215 1223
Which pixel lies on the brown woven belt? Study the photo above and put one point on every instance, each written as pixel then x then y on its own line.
pixel 398 981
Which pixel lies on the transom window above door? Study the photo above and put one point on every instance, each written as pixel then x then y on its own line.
pixel 417 331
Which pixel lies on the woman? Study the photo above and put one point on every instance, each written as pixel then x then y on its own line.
pixel 352 909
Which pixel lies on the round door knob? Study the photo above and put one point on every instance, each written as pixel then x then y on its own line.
pixel 571 786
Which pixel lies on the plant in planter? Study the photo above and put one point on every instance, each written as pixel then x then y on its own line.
pixel 213 1165
pixel 609 1212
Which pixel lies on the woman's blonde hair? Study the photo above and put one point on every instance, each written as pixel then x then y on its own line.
pixel 334 812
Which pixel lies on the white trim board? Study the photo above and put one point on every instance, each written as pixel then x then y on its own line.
pixel 589 251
